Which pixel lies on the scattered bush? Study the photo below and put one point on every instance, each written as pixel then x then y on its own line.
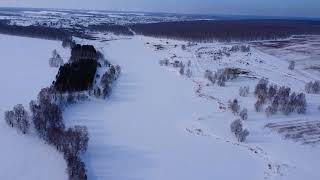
pixel 244 91
pixel 237 128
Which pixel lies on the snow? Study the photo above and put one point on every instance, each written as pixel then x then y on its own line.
pixel 160 125
pixel 24 71
pixel 142 131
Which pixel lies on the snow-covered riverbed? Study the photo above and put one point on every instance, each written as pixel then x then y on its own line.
pixel 143 130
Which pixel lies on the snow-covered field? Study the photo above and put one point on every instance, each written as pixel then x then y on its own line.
pixel 24 70
pixel 160 125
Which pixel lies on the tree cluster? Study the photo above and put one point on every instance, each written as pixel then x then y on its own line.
pixel 222 75
pixel 49 125
pixel 279 99
pixel 18 118
pixel 313 87
pixel 234 107
pixel 185 70
pixel 237 129
pixel 242 48
pixel 106 81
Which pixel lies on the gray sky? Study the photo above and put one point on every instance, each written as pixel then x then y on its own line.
pixel 297 8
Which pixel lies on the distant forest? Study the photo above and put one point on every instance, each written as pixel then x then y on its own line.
pixel 113 28
pixel 40 31
pixel 200 30
pixel 228 30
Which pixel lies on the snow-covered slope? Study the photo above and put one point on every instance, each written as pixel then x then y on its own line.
pixel 24 70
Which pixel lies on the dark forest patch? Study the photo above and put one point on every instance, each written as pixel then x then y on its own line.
pixel 228 30
pixel 76 76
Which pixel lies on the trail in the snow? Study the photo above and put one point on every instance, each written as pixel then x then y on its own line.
pixel 273 169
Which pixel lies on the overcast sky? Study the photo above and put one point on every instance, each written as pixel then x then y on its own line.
pixel 297 8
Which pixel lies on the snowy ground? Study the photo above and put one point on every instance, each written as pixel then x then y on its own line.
pixel 160 125
pixel 24 71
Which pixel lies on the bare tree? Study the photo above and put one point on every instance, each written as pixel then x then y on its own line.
pixel 189 73
pixel 258 106
pixel 244 91
pixel 56 60
pixel 292 65
pixel 237 128
pixel 244 114
pixel 270 110
pixel 234 106
pixel 10 119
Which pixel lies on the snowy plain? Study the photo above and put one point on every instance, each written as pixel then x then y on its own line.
pixel 24 71
pixel 158 124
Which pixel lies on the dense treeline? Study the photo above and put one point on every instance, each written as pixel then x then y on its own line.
pixel 79 52
pixel 34 31
pixel 228 30
pixel 42 32
pixel 113 28
pixel 76 76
